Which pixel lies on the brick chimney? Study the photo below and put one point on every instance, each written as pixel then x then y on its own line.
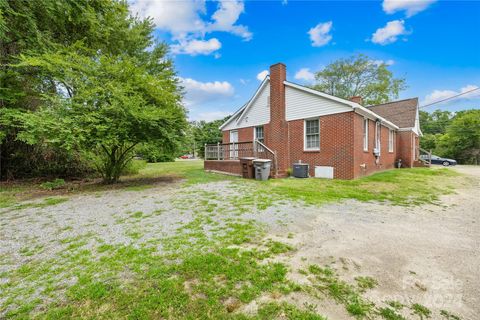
pixel 277 140
pixel 357 99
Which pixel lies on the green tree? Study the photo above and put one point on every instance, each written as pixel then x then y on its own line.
pixel 359 76
pixel 106 105
pixel 45 26
pixel 207 133
pixel 435 122
pixel 462 139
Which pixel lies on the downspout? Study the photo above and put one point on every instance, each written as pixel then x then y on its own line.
pixel 378 142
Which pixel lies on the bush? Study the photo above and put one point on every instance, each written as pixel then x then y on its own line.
pixel 133 167
pixel 52 185
pixel 155 153
pixel 20 161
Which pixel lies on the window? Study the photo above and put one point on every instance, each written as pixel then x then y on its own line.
pixel 377 137
pixel 312 134
pixel 391 135
pixel 258 134
pixel 365 134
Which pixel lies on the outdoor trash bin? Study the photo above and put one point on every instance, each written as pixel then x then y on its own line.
pixel 262 168
pixel 247 167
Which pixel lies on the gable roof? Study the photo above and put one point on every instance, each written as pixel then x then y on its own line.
pixel 234 116
pixel 237 116
pixel 243 110
pixel 403 112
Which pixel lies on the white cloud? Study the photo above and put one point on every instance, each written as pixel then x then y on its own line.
pixel 197 92
pixel 210 116
pixel 388 62
pixel 187 22
pixel 305 74
pixel 196 47
pixel 438 95
pixel 261 75
pixel 177 17
pixel 411 7
pixel 226 16
pixel 389 33
pixel 319 35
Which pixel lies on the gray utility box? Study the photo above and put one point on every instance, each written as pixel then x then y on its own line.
pixel 262 168
pixel 300 170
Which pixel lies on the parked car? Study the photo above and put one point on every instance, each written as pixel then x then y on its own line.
pixel 439 160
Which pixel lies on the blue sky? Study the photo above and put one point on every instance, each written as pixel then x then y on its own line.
pixel 221 47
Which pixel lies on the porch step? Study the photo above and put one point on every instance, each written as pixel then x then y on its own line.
pixel 421 163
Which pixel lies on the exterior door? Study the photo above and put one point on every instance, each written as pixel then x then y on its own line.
pixel 233 144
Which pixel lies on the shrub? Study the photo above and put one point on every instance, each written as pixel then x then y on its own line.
pixel 134 166
pixel 155 153
pixel 52 185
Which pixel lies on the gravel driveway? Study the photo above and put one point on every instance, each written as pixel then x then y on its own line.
pixel 428 254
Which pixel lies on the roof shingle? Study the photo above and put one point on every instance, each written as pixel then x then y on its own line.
pixel 402 112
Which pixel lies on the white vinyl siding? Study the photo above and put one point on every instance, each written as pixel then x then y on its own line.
pixel 365 134
pixel 257 114
pixel 391 136
pixel 312 134
pixel 300 105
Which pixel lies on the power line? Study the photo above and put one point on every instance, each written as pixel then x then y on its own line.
pixel 449 98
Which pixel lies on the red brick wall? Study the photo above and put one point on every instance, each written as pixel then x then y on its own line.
pixel 244 134
pixel 226 136
pixel 405 144
pixel 336 145
pixel 276 134
pixel 341 146
pixel 230 166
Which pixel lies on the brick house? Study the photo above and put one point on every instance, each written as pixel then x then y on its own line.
pixel 288 123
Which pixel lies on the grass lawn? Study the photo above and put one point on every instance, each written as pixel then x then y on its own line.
pixel 215 263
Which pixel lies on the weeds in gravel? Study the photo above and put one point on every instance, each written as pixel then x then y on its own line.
pixel 117 281
pixel 210 267
pixel 327 281
pixel 365 283
pixel 390 314
pixel 45 203
pixel 284 310
pixel 448 315
pixel 421 311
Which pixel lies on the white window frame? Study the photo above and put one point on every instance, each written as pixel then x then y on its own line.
pixel 255 133
pixel 305 135
pixel 391 140
pixel 378 129
pixel 365 134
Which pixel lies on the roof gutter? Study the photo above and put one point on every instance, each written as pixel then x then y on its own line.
pixel 356 107
pixel 232 117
